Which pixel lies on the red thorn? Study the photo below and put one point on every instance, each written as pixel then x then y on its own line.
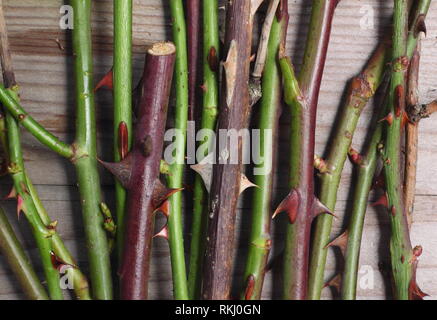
pixel 162 193
pixel 388 118
pixel 320 164
pixel 57 262
pixel 355 156
pixel 250 287
pixel 417 251
pixel 399 100
pixel 290 205
pixel 393 211
pixel 334 282
pixel 163 233
pixel 414 292
pixel 121 170
pixel 319 208
pixel 20 205
pixel 123 140
pixel 164 208
pixel 107 81
pixel 212 59
pixel 11 195
pixel 382 201
pixel 340 241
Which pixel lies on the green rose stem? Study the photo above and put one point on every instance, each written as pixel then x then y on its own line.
pixel 361 89
pixel 175 225
pixel 85 153
pixel 82 152
pixel 302 96
pixel 19 263
pixel 211 45
pixel 403 257
pixel 25 204
pixel 41 232
pixel 271 102
pixel 122 85
pixel 355 229
pixel 350 241
pixel 30 198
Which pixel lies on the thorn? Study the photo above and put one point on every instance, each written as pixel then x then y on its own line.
pixel 52 225
pixel 334 282
pixel 414 292
pixel 121 170
pixel 250 287
pixel 230 71
pixel 204 169
pixel 340 242
pixel 319 208
pixel 163 233
pixel 123 140
pixel 320 164
pixel 107 81
pixel 252 57
pixel 212 59
pixel 162 193
pixel 164 208
pixel 382 201
pixel 245 183
pixel 11 195
pixel 290 205
pixel 388 118
pixel 420 25
pixel 355 156
pixel 58 263
pixel 417 251
pixel 20 205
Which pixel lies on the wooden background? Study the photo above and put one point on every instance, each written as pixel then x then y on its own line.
pixel 44 71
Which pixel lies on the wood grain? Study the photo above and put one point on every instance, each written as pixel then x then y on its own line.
pixel 44 72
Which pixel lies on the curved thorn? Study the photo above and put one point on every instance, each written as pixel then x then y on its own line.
pixel 290 205
pixel 107 81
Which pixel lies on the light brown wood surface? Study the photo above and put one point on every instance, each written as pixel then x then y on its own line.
pixel 44 72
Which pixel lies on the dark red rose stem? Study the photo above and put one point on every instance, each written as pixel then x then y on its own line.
pixel 234 114
pixel 193 36
pixel 139 172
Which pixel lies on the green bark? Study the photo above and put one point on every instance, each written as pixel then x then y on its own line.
pixel 122 73
pixel 175 224
pixel 260 238
pixel 13 252
pixel 211 45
